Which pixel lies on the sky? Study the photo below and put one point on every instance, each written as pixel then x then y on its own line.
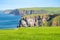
pixel 14 4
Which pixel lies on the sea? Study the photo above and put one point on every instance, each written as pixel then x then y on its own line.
pixel 9 21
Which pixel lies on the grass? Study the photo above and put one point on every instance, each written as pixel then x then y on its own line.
pixel 42 8
pixel 33 33
pixel 49 10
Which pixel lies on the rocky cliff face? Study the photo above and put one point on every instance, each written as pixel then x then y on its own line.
pixel 26 12
pixel 38 20
pixel 44 20
pixel 7 11
pixel 15 12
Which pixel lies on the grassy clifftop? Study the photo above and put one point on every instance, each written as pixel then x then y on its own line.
pixel 42 8
pixel 49 10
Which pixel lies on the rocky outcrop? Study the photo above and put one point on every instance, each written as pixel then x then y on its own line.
pixel 15 12
pixel 39 20
pixel 34 10
pixel 27 12
pixel 7 11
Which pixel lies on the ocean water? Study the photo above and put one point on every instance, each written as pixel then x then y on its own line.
pixel 8 21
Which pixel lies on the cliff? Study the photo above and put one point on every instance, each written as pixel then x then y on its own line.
pixel 40 20
pixel 7 11
pixel 27 11
pixel 37 16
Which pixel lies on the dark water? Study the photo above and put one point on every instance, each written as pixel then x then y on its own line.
pixel 8 21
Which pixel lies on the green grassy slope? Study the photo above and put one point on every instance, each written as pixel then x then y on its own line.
pixel 43 8
pixel 34 33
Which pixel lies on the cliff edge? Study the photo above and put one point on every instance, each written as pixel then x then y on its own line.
pixel 39 20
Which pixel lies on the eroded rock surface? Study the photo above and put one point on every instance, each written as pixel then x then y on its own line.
pixel 30 21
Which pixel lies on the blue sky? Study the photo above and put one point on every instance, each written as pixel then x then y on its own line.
pixel 13 4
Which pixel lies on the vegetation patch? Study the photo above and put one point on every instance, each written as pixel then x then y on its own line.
pixel 31 33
